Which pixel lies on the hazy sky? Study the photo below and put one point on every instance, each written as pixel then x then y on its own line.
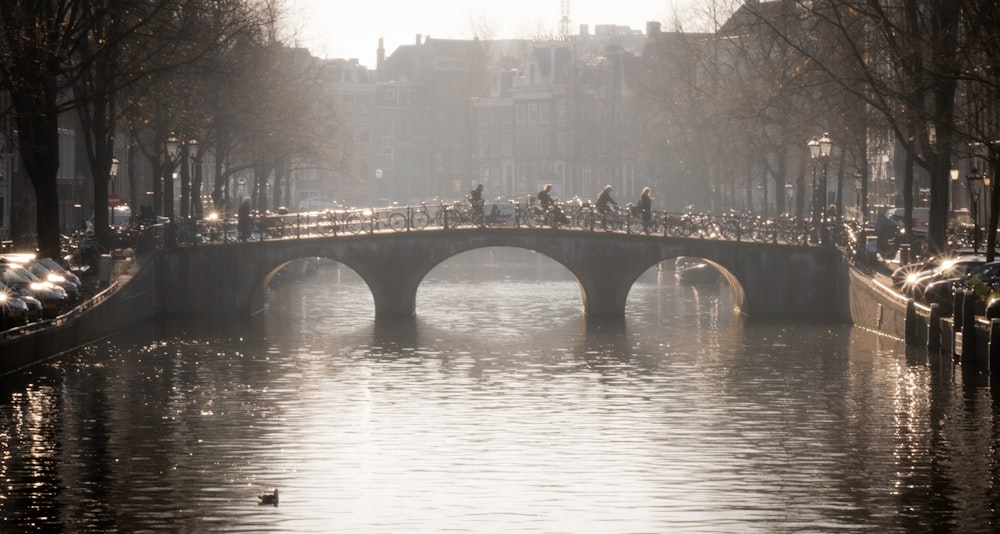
pixel 351 28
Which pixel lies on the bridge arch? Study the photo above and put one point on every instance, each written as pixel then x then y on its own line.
pixel 768 279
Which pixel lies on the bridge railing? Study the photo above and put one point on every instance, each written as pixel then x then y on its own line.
pixel 522 212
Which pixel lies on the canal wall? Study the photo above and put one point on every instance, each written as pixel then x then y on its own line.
pixel 970 339
pixel 136 296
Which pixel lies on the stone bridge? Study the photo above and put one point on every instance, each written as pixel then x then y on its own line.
pixel 771 280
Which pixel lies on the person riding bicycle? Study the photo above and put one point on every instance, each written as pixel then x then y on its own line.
pixel 476 198
pixel 547 203
pixel 603 203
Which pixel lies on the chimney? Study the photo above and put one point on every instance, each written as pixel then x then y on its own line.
pixel 380 55
pixel 652 28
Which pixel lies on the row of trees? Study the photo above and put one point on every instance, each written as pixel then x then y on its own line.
pixel 215 71
pixel 777 72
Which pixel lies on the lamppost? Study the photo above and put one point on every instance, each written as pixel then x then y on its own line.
pixel 789 193
pixel 813 145
pixel 113 197
pixel 974 192
pixel 378 183
pixel 953 173
pixel 819 150
pixel 196 207
pixel 173 147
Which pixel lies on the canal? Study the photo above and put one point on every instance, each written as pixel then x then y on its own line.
pixel 498 409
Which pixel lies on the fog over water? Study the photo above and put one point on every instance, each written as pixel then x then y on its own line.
pixel 498 409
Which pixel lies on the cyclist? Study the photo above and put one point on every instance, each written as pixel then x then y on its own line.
pixel 547 202
pixel 603 204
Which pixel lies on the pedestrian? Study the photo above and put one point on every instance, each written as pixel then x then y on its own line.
pixel 646 209
pixel 243 220
pixel 476 199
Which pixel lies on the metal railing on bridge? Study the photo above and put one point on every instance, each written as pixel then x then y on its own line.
pixel 522 213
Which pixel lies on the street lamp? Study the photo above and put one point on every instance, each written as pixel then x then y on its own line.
pixel 378 183
pixel 789 193
pixel 820 149
pixel 974 192
pixel 195 179
pixel 173 147
pixel 813 145
pixel 112 175
pixel 953 173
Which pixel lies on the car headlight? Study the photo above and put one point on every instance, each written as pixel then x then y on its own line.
pixel 56 278
pixel 38 286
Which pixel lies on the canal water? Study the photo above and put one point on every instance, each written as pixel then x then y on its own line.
pixel 498 409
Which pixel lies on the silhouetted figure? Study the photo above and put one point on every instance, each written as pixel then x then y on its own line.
pixel 548 203
pixel 243 220
pixel 476 198
pixel 646 208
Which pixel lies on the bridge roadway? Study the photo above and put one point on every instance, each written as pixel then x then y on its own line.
pixel 767 279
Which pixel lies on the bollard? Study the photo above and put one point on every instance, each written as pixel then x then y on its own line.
pixel 934 329
pixel 969 328
pixel 904 254
pixel 910 324
pixel 994 359
pixel 871 250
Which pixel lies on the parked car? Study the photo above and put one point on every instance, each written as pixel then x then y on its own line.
pixel 70 283
pixel 916 283
pixel 912 271
pixel 941 292
pixel 20 279
pixel 13 310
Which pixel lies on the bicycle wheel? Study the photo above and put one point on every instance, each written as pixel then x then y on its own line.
pixel 711 230
pixel 354 223
pixel 611 222
pixel 635 224
pixel 530 218
pixel 326 224
pixel 730 230
pixel 397 221
pixel 419 219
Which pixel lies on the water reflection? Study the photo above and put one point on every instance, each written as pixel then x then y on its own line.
pixel 498 409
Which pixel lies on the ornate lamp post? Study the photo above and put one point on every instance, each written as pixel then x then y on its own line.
pixel 953 173
pixel 196 208
pixel 173 147
pixel 813 145
pixel 819 152
pixel 113 197
pixel 378 183
pixel 974 192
